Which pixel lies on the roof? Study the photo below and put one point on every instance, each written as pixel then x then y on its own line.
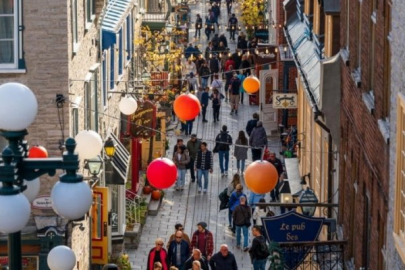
pixel 121 158
pixel 305 55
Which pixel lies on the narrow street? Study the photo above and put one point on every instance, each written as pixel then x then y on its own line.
pixel 188 207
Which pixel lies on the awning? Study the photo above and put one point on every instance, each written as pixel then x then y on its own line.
pixel 117 11
pixel 305 55
pixel 117 170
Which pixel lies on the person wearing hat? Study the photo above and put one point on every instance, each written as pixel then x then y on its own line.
pixel 234 86
pixel 234 200
pixel 223 141
pixel 193 145
pixel 203 240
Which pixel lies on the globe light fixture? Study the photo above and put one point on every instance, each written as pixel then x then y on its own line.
pixel 61 258
pixel 32 190
pixel 128 105
pixel 18 108
pixel 89 144
pixel 14 212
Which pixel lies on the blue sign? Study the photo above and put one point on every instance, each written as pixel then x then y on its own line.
pixel 293 227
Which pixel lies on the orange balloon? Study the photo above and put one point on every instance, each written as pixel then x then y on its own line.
pixel 37 152
pixel 186 106
pixel 261 177
pixel 251 84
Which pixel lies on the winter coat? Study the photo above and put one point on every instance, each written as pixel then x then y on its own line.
pixel 234 199
pixel 219 262
pixel 258 137
pixel 215 65
pixel 172 253
pixel 222 38
pixel 151 259
pixel 184 160
pixel 189 264
pixel 205 97
pixel 258 214
pixel 241 214
pixel 204 72
pixel 223 141
pixel 240 152
pixel 251 124
pixel 193 148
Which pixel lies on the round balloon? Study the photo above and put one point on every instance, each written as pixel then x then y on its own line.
pixel 89 144
pixel 261 177
pixel 38 152
pixel 251 84
pixel 161 173
pixel 186 106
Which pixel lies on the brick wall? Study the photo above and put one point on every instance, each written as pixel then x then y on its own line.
pixel 362 142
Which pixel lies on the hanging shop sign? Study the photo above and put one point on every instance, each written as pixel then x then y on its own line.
pixel 285 101
pixel 159 78
pixel 262 34
pixel 42 202
pixel 143 121
pixel 293 227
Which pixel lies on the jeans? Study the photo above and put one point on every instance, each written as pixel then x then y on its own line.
pixel 232 32
pixel 181 177
pixel 189 127
pixel 204 112
pixel 197 32
pixel 256 154
pixel 240 164
pixel 191 165
pixel 216 112
pixel 223 155
pixel 204 82
pixel 230 217
pixel 245 231
pixel 183 126
pixel 259 264
pixel 241 98
pixel 274 193
pixel 200 174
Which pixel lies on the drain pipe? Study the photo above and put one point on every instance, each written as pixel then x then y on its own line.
pixel 320 123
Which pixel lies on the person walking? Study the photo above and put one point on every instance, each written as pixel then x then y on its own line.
pixel 252 123
pixel 240 151
pixel 223 260
pixel 189 126
pixel 204 74
pixel 259 250
pixel 241 89
pixel 216 99
pixel 258 140
pixel 279 167
pixel 234 86
pixel 245 66
pixel 178 227
pixel 208 51
pixel 259 212
pixel 215 66
pixel 204 164
pixel 253 199
pixel 241 217
pixel 193 146
pixel 196 256
pixel 216 82
pixel 179 251
pixel 179 144
pixel 208 29
pixel 223 141
pixel 231 188
pixel 228 79
pixel 181 159
pixel 198 26
pixel 229 6
pixel 232 24
pixel 192 83
pixel 157 254
pixel 204 104
pixel 234 201
pixel 203 240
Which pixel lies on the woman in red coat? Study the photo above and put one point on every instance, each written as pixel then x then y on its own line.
pixel 157 254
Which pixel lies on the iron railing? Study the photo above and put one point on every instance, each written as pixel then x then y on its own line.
pixel 325 255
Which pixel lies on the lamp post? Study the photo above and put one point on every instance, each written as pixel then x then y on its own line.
pixel 308 196
pixel 71 197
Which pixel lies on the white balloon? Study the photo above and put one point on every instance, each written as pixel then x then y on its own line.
pixel 32 190
pixel 61 258
pixel 15 211
pixel 89 144
pixel 128 105
pixel 71 200
pixel 18 108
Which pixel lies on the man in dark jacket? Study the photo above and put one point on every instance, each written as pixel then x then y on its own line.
pixel 198 26
pixel 215 42
pixel 259 250
pixel 179 144
pixel 203 240
pixel 252 123
pixel 242 218
pixel 204 164
pixel 193 145
pixel 204 103
pixel 232 24
pixel 279 167
pixel 234 87
pixel 215 65
pixel 222 143
pixel 196 256
pixel 204 73
pixel 223 260
pixel 258 140
pixel 224 41
pixel 178 252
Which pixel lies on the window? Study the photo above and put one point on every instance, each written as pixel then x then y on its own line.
pixel 11 35
pixel 104 80
pixel 359 22
pixel 367 229
pixel 91 113
pixel 399 209
pixel 90 10
pixel 120 51
pixel 75 122
pixel 129 37
pixel 112 73
pixel 74 25
pixel 387 60
pixel 347 24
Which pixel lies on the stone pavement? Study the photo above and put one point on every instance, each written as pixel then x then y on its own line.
pixel 187 206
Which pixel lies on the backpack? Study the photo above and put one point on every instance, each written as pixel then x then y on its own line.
pixel 263 250
pixel 215 101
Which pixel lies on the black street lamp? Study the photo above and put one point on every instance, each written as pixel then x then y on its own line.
pixel 308 196
pixel 71 197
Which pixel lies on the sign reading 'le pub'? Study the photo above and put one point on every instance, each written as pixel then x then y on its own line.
pixel 293 227
pixel 143 121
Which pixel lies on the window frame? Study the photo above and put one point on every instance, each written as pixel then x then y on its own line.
pixel 91 101
pixel 90 13
pixel 399 226
pixel 104 81
pixel 74 23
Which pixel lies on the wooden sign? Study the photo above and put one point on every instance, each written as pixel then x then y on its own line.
pixel 285 101
pixel 42 202
pixel 143 121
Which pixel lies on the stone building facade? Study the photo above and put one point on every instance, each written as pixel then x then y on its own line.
pixel 58 51
pixel 365 114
